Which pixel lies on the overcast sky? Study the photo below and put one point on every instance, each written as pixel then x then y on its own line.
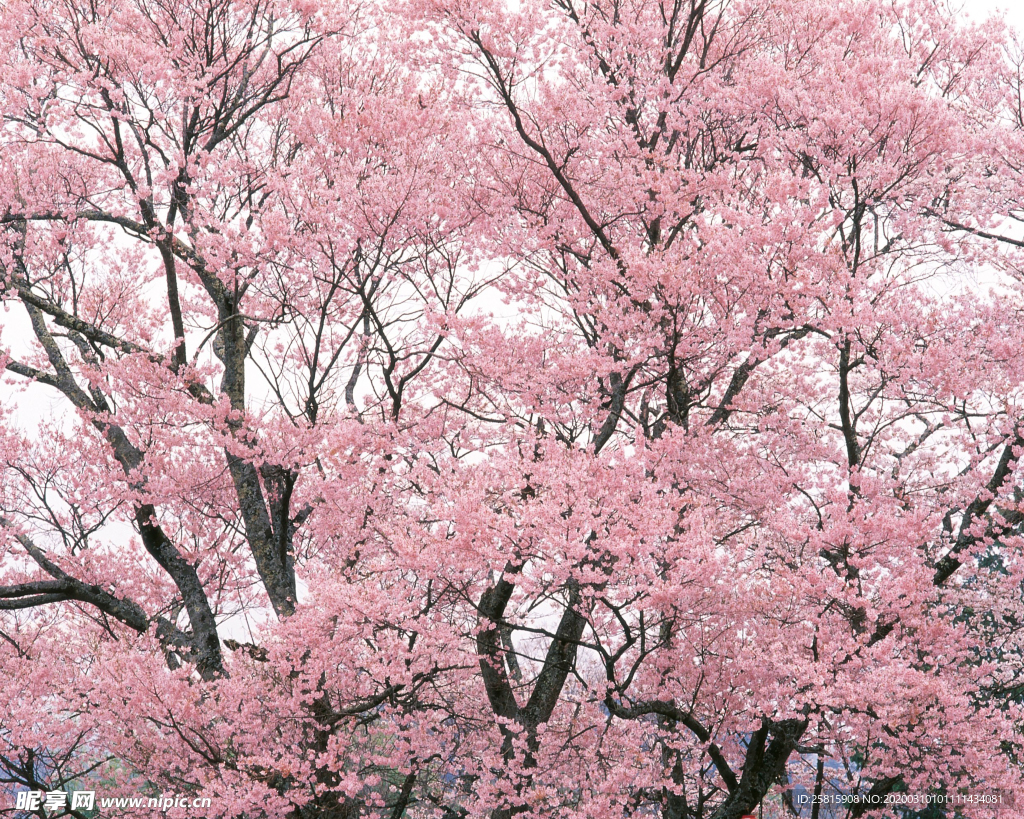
pixel 1014 10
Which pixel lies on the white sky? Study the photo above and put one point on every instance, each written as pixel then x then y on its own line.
pixel 1014 10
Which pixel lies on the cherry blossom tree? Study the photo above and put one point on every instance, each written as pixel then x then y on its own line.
pixel 439 409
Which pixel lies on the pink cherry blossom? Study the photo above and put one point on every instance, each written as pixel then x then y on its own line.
pixel 535 409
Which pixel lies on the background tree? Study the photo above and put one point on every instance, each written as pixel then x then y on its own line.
pixel 603 409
